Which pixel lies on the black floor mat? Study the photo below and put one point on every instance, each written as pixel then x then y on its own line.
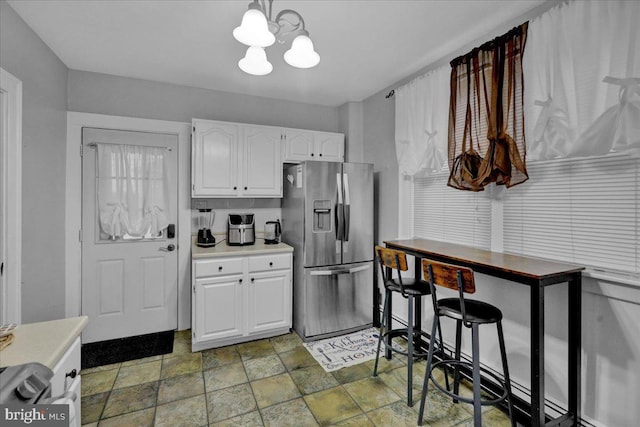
pixel 123 349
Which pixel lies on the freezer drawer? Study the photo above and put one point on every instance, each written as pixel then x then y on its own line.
pixel 337 299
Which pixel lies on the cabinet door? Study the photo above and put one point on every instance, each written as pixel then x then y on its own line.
pixel 262 164
pixel 269 301
pixel 299 145
pixel 330 146
pixel 215 148
pixel 66 379
pixel 218 305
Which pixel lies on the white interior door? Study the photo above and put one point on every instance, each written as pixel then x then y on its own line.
pixel 3 238
pixel 10 198
pixel 129 286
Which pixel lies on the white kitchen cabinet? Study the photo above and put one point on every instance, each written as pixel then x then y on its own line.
pixel 215 147
pixel 235 160
pixel 269 301
pixel 329 146
pixel 219 308
pixel 66 379
pixel 240 298
pixel 262 167
pixel 301 145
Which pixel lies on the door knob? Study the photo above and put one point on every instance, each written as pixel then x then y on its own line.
pixel 169 248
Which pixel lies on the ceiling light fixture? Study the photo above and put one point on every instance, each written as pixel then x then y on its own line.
pixel 258 31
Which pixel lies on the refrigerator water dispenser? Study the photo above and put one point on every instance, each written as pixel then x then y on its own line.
pixel 322 216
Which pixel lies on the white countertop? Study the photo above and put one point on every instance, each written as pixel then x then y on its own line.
pixel 43 342
pixel 224 249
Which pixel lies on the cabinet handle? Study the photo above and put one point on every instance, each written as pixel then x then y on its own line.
pixel 320 154
pixel 245 188
pixel 235 188
pixel 252 279
pixel 311 154
pixel 72 374
pixel 220 268
pixel 271 264
pixel 240 281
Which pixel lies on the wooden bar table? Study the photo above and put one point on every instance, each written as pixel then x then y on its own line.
pixel 537 274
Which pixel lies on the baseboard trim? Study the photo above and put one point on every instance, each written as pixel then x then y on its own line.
pixel 124 349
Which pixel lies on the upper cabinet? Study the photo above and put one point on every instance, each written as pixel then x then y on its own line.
pixel 214 159
pixel 242 160
pixel 262 167
pixel 303 145
pixel 235 160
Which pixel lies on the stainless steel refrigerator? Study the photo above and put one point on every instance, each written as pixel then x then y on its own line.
pixel 327 216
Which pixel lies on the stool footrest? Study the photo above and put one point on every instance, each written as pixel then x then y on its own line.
pixel 452 362
pixel 404 333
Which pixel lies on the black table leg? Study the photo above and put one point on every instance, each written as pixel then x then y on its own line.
pixel 389 319
pixel 537 355
pixel 417 325
pixel 575 346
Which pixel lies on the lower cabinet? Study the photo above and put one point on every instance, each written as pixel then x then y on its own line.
pixel 269 301
pixel 237 299
pixel 66 380
pixel 219 307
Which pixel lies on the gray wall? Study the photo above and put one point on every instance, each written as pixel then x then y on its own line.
pixel 350 124
pixel 378 125
pixel 121 96
pixel 44 122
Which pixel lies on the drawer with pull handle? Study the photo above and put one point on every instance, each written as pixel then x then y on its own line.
pixel 269 262
pixel 218 267
pixel 66 370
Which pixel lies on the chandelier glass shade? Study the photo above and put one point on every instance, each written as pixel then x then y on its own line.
pixel 301 54
pixel 257 30
pixel 255 62
pixel 254 30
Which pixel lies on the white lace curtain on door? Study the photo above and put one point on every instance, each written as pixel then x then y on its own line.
pixel 582 80
pixel 422 108
pixel 132 187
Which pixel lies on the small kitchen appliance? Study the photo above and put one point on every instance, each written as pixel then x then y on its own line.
pixel 272 232
pixel 205 224
pixel 241 229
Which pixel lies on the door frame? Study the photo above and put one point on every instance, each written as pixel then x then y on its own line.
pixel 11 150
pixel 73 203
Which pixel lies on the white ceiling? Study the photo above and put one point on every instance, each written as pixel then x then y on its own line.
pixel 364 46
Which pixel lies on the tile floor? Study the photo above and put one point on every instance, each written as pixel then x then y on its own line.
pixel 271 382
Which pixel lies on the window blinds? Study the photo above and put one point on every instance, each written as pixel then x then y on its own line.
pixel 583 211
pixel 449 215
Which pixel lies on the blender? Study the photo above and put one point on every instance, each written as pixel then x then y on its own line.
pixel 205 224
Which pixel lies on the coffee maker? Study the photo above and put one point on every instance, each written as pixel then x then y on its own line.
pixel 205 224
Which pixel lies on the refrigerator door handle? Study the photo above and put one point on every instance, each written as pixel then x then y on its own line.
pixel 347 209
pixel 339 271
pixel 339 209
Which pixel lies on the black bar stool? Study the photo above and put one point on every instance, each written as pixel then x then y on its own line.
pixel 471 314
pixel 410 289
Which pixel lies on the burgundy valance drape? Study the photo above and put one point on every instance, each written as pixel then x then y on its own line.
pixel 486 123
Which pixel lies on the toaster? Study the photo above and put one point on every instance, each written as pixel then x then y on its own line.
pixel 241 230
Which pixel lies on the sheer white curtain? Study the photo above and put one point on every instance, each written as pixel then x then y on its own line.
pixel 580 95
pixel 422 108
pixel 132 190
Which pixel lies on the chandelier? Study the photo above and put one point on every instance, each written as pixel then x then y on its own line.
pixel 258 31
